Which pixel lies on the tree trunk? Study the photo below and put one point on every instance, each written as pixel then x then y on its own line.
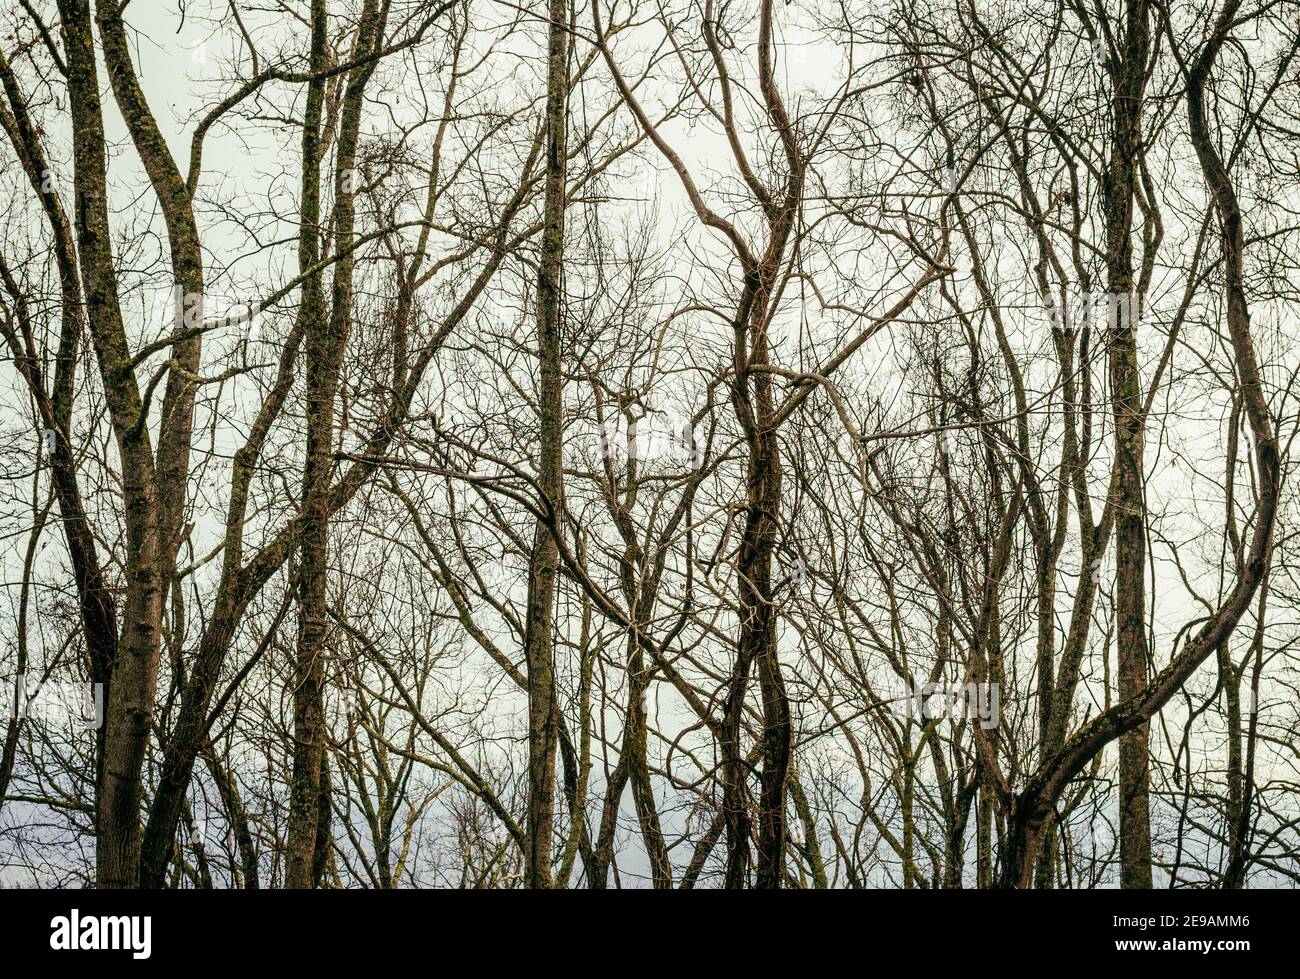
pixel 539 641
pixel 129 707
pixel 322 379
pixel 1130 73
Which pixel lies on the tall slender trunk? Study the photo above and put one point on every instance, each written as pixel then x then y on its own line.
pixel 758 635
pixel 539 651
pixel 322 377
pixel 129 707
pixel 326 340
pixel 1130 73
pixel 756 646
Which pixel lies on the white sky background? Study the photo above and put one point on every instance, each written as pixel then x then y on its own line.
pixel 182 66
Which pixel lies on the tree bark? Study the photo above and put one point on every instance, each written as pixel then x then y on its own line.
pixel 539 651
pixel 1119 187
pixel 322 379
pixel 129 706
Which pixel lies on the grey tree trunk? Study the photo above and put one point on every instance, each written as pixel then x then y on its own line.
pixel 539 652
pixel 1129 72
